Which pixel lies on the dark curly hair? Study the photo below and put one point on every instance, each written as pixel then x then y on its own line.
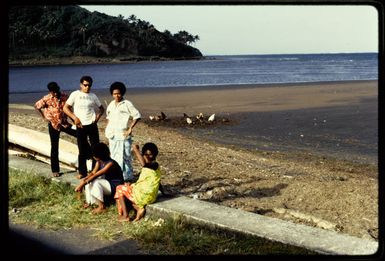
pixel 101 151
pixel 151 147
pixel 118 86
pixel 53 87
pixel 87 79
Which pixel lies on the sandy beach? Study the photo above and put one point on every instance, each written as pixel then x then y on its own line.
pixel 300 152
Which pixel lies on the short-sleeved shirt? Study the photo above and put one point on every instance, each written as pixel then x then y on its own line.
pixel 53 110
pixel 118 115
pixel 84 105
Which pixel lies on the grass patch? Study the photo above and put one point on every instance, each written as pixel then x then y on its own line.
pixel 41 202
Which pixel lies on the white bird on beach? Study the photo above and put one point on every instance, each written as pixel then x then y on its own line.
pixel 188 120
pixel 211 118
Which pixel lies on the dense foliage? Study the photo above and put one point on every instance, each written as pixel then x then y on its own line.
pixel 64 31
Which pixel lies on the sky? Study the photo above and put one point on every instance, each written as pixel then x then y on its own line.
pixel 257 29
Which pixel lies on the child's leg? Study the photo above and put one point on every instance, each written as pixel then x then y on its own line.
pixel 139 212
pixel 122 202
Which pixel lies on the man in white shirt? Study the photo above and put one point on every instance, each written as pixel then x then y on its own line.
pixel 122 116
pixel 80 107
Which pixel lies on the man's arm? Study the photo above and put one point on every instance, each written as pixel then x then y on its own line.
pixel 38 107
pixel 41 113
pixel 99 115
pixel 68 110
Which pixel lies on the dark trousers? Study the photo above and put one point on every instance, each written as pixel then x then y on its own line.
pixel 54 137
pixel 86 138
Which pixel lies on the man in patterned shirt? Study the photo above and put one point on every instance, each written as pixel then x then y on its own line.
pixel 50 108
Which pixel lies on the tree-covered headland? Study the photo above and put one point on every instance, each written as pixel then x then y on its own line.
pixel 39 31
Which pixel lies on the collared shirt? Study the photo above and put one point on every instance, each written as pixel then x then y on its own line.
pixel 118 115
pixel 53 110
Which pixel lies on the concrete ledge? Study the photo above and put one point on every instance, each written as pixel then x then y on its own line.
pixel 41 168
pixel 315 239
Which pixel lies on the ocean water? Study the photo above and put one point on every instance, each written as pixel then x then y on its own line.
pixel 213 70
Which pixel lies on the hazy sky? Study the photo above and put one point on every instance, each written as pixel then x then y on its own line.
pixel 256 29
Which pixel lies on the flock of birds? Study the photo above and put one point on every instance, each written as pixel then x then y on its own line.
pixel 189 119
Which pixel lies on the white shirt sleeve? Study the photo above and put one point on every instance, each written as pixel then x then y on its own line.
pixel 71 99
pixel 135 114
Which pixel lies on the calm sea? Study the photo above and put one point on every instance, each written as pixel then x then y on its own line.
pixel 214 70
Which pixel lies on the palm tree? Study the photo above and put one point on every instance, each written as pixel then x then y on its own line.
pixel 132 19
pixel 83 30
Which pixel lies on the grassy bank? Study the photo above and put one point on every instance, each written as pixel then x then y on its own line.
pixel 41 202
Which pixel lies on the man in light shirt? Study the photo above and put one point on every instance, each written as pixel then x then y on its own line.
pixel 122 116
pixel 80 107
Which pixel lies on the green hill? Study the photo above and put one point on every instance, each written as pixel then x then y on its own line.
pixel 39 32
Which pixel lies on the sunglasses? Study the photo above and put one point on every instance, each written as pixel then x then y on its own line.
pixel 86 85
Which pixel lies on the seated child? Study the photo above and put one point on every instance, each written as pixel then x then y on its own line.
pixel 145 190
pixel 102 180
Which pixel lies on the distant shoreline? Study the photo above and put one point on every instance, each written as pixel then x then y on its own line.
pixel 77 60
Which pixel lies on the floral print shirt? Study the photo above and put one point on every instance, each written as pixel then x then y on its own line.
pixel 53 110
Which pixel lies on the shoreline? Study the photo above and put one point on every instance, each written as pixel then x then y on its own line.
pixel 138 90
pixel 132 93
pixel 79 60
pixel 338 118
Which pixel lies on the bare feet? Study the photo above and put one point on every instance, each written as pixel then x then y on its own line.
pixel 86 205
pixel 124 219
pixel 55 174
pixel 139 214
pixel 98 210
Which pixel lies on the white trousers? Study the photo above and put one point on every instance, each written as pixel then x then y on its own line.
pixel 96 190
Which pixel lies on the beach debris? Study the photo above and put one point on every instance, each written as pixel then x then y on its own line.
pixel 318 222
pixel 162 116
pixel 151 117
pixel 159 222
pixel 211 118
